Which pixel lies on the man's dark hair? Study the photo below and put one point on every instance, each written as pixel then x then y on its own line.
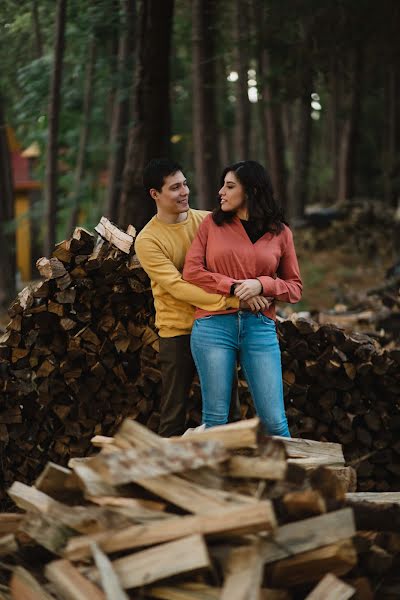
pixel 156 171
pixel 264 211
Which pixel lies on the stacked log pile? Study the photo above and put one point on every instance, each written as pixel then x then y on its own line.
pixel 375 312
pixel 219 514
pixel 344 387
pixel 80 355
pixel 366 228
pixel 71 355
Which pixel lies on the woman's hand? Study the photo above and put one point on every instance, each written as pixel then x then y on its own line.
pixel 248 288
pixel 256 303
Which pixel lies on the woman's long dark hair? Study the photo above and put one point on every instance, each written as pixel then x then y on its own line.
pixel 263 209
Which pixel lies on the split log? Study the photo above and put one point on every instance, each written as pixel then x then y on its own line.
pixel 134 465
pixel 9 522
pixel 374 497
pixel 338 559
pixel 301 536
pixel 235 520
pixel 165 560
pixel 109 580
pixel 111 233
pixel 70 583
pixel 310 453
pixel 242 434
pixel 307 503
pixel 331 588
pixel 24 586
pixel 189 591
pixel 190 496
pixel 50 268
pixel 8 544
pixel 243 574
pixel 259 467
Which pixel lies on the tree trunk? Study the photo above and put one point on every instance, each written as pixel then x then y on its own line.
pixel 391 154
pixel 224 111
pixel 270 111
pixel 271 120
pixel 302 150
pixel 334 131
pixel 53 118
pixel 83 138
pixel 205 135
pixel 350 131
pixel 7 236
pixel 37 30
pixel 149 136
pixel 242 125
pixel 120 114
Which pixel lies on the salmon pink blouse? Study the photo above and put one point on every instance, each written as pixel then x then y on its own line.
pixel 222 254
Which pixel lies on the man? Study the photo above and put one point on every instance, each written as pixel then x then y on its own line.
pixel 161 247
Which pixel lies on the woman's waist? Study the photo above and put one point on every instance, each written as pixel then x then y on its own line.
pixel 199 312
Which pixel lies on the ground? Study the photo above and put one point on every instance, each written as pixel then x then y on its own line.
pixel 331 276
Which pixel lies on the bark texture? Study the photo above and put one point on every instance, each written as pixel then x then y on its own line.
pixel 149 137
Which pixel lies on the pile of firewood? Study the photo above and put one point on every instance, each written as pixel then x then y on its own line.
pixel 375 312
pixel 71 355
pixel 221 514
pixel 344 387
pixel 80 355
pixel 366 228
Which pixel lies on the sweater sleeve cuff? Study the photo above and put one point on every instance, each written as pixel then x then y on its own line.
pixel 268 284
pixel 232 302
pixel 224 286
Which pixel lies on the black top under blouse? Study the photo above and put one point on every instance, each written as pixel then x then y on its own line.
pixel 251 230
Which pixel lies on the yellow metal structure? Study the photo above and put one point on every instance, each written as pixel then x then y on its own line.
pixel 23 235
pixel 24 186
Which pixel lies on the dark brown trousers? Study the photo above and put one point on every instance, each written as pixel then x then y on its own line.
pixel 177 372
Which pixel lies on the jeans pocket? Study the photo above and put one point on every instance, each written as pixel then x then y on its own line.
pixel 204 318
pixel 266 320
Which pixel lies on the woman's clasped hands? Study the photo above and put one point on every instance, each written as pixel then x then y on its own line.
pixel 249 293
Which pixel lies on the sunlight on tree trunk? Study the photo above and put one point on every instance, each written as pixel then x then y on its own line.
pixel 51 175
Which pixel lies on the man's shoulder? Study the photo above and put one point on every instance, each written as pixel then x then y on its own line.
pixel 199 215
pixel 148 230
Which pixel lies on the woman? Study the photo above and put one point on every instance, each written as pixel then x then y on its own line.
pixel 244 247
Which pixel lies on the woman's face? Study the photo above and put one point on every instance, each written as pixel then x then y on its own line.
pixel 232 194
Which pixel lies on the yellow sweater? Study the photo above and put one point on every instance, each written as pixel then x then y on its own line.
pixel 161 249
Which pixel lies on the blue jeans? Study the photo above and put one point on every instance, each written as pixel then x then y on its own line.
pixel 216 342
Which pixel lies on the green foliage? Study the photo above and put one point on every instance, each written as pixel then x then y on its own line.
pixel 299 35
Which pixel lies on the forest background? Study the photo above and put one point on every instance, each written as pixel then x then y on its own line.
pixel 310 88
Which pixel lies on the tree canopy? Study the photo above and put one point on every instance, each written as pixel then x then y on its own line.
pixel 306 87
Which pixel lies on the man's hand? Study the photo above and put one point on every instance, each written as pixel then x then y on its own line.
pixel 248 288
pixel 256 303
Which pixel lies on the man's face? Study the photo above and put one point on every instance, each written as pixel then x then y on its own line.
pixel 173 199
